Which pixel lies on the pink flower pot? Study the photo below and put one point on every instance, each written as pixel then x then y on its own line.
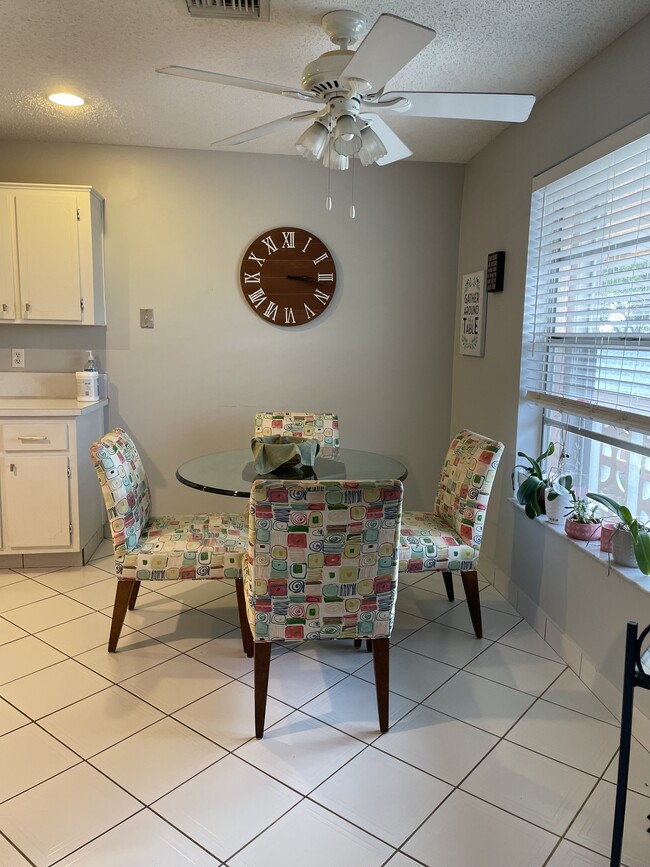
pixel 582 532
pixel 608 530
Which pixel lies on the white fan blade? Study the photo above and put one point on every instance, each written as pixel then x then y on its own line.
pixel 235 81
pixel 396 148
pixel 264 129
pixel 390 44
pixel 511 107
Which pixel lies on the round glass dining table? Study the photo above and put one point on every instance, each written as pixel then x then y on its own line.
pixel 233 473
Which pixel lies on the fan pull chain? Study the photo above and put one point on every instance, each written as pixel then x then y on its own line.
pixel 353 212
pixel 328 200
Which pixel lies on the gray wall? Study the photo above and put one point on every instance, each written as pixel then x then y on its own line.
pixel 565 582
pixel 177 224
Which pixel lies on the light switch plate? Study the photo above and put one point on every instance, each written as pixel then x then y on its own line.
pixel 146 318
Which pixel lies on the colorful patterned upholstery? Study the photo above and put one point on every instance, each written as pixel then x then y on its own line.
pixel 321 426
pixel 449 538
pixel 322 559
pixel 168 547
pixel 194 547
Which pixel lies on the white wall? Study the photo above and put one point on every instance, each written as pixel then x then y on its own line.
pixel 177 224
pixel 573 589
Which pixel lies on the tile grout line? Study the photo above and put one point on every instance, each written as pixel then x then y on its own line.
pixel 347 675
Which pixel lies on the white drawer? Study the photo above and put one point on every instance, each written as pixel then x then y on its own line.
pixel 35 436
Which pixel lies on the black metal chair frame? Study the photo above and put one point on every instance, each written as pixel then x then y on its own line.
pixel 634 674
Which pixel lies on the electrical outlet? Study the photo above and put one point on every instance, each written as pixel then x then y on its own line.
pixel 17 357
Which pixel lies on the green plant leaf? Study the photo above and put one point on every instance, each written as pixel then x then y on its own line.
pixel 627 516
pixel 559 490
pixel 536 469
pixel 528 489
pixel 642 551
pixel 527 495
pixel 550 449
pixel 533 509
pixel 622 512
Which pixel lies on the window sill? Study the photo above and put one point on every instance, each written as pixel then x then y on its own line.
pixel 592 549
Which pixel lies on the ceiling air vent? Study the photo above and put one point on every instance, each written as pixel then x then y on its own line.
pixel 247 10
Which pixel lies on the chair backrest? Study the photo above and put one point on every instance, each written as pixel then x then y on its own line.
pixel 466 483
pixel 321 426
pixel 324 558
pixel 124 486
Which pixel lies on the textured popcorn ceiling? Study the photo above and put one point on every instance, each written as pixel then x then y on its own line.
pixel 107 50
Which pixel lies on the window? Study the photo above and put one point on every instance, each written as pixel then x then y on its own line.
pixel 586 353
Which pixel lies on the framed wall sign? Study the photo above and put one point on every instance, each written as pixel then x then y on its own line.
pixel 495 268
pixel 472 314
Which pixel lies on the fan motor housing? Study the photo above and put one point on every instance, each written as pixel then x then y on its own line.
pixel 322 75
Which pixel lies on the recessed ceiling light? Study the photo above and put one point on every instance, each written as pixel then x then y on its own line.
pixel 66 99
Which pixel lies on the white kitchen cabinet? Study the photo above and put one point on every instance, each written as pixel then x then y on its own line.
pixel 36 501
pixel 51 254
pixel 51 508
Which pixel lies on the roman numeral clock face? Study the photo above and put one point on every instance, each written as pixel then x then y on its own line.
pixel 288 276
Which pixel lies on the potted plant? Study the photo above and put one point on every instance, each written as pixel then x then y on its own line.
pixel 543 492
pixel 630 540
pixel 581 521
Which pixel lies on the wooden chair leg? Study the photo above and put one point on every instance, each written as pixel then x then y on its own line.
pixel 449 585
pixel 134 595
pixel 262 663
pixel 122 596
pixel 246 637
pixel 358 642
pixel 380 657
pixel 470 585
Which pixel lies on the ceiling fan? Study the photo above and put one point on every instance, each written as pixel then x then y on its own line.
pixel 348 88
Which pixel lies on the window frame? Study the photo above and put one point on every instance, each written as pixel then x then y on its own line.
pixel 568 406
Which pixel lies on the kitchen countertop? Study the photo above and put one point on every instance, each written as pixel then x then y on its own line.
pixel 47 406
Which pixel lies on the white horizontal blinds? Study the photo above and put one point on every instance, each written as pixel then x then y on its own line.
pixel 588 311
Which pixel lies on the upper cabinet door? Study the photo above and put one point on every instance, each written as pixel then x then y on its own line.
pixel 47 241
pixel 7 290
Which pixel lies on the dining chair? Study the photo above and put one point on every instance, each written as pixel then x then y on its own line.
pixel 163 548
pixel 322 564
pixel 321 426
pixel 448 539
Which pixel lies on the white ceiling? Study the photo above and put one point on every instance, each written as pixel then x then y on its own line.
pixel 107 51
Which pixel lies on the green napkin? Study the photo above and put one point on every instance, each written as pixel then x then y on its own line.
pixel 272 452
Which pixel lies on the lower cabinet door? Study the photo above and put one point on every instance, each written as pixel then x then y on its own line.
pixel 36 501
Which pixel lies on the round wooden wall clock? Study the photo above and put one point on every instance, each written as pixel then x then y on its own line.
pixel 288 276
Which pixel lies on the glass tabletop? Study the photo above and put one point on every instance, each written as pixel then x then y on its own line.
pixel 233 473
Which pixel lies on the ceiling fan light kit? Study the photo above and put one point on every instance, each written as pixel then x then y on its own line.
pixel 313 141
pixel 372 147
pixel 334 160
pixel 347 91
pixel 347 137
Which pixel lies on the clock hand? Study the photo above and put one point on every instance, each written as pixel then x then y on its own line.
pixel 302 277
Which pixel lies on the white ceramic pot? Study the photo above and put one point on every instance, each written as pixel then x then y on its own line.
pixel 623 548
pixel 556 509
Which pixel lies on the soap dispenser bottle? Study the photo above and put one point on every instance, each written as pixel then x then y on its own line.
pixel 88 381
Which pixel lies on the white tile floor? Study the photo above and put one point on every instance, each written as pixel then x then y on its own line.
pixel 497 756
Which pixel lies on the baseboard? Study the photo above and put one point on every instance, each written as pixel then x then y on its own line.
pixel 92 544
pixel 37 561
pixel 571 653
